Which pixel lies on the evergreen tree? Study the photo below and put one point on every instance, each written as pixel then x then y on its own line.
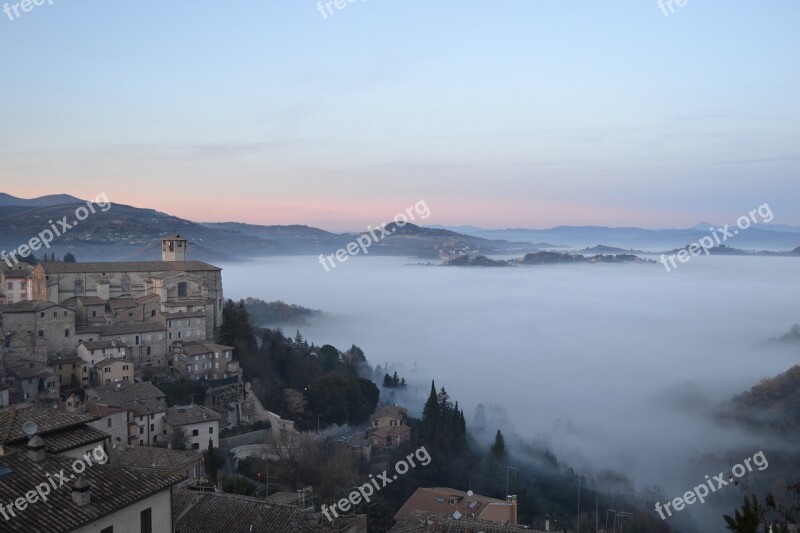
pixel 499 446
pixel 429 414
pixel 69 257
pixel 211 463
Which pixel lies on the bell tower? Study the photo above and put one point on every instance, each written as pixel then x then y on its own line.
pixel 173 248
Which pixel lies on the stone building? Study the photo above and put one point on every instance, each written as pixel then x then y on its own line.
pixel 181 285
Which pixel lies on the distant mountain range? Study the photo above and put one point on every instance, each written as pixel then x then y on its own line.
pixel 776 237
pixel 131 233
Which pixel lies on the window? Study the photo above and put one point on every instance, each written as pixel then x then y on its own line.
pixel 94 313
pixel 41 315
pixel 141 431
pixel 195 446
pixel 41 333
pixel 78 286
pixel 11 287
pixel 211 430
pixel 136 342
pixel 152 427
pixel 148 350
pixel 195 432
pixel 153 312
pixel 108 422
pixel 130 313
pixel 55 314
pixel 182 289
pixel 126 284
pixel 66 332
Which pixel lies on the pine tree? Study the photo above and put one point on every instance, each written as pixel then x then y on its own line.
pixel 429 414
pixel 211 463
pixel 499 446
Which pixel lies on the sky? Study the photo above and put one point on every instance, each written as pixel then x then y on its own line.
pixel 521 113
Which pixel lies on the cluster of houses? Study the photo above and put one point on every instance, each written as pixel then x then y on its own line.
pixel 68 326
pixel 79 344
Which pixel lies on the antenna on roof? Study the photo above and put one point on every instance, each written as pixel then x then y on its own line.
pixel 30 428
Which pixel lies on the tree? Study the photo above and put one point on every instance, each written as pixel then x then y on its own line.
pixel 298 339
pixel 295 402
pixel 748 520
pixel 329 357
pixel 69 257
pixel 178 439
pixel 499 446
pixel 211 463
pixel 429 414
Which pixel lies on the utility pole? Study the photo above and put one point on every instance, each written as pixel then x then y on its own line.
pixel 507 469
pixel 579 503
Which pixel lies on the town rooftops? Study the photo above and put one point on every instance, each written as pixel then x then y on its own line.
pixel 17 273
pixel 100 409
pixel 103 345
pixel 418 522
pixel 200 347
pixel 46 420
pixel 84 300
pixel 110 361
pixel 112 489
pixel 60 431
pixel 149 458
pixel 445 501
pixel 391 411
pixel 207 512
pixel 28 307
pixel 127 391
pixel 190 414
pixel 122 329
pixel 136 266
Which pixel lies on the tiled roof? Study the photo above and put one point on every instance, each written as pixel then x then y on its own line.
pixel 389 431
pixel 137 266
pixel 47 421
pixel 126 392
pixel 122 329
pixel 208 512
pixel 68 439
pixel 438 500
pixel 392 411
pixel 150 458
pixel 123 303
pixel 418 522
pixel 92 300
pixel 184 303
pixel 193 414
pixel 101 409
pixel 100 345
pixel 147 298
pixel 111 361
pixel 197 348
pixel 26 307
pixel 16 274
pixel 112 489
pixel 179 315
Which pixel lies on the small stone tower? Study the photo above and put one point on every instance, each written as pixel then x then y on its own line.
pixel 173 248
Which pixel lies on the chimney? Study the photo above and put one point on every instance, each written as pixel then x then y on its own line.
pixel 36 449
pixel 513 501
pixel 81 492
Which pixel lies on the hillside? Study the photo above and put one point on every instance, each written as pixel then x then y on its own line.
pixel 125 232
